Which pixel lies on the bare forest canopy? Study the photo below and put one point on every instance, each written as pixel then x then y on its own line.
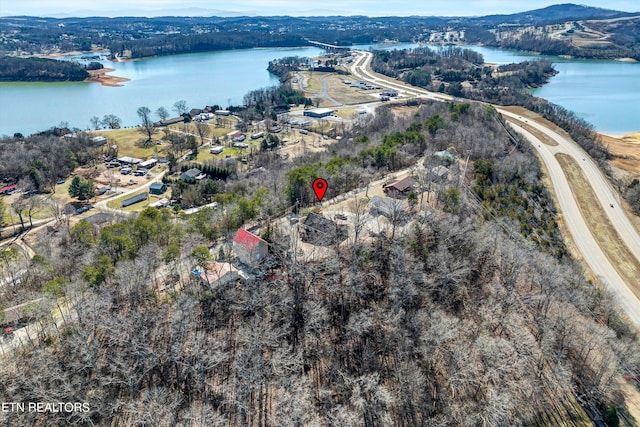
pixel 143 37
pixel 466 311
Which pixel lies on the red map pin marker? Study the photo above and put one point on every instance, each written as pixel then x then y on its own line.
pixel 320 187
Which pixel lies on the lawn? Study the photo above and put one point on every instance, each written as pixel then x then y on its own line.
pixel 136 207
pixel 128 142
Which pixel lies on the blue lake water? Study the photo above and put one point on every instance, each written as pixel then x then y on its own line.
pixel 606 93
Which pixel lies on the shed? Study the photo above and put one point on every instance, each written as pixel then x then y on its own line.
pixel 171 121
pixel 126 160
pixel 216 149
pixel 249 248
pixel 99 140
pixel 157 188
pixel 400 187
pixel 322 231
pixel 134 199
pixel 148 164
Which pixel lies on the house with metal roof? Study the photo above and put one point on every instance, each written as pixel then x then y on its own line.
pixel 157 188
pixel 249 248
pixel 400 187
pixel 215 274
pixel 191 174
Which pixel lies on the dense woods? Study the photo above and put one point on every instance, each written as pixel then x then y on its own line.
pixel 445 70
pixel 456 315
pixel 170 45
pixel 40 69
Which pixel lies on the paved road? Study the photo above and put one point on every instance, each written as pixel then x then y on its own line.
pixel 102 205
pixel 580 232
pixel 603 189
pixel 586 242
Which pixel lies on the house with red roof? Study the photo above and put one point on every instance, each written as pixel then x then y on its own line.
pixel 249 248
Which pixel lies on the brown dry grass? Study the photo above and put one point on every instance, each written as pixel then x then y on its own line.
pixel 598 222
pixel 546 139
pixel 626 150
pixel 538 118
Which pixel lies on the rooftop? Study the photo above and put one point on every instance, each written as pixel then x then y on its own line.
pixel 248 240
pixel 401 185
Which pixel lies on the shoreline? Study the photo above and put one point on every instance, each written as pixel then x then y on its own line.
pixel 100 76
pixel 59 55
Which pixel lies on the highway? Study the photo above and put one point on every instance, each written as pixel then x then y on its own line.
pixel 584 238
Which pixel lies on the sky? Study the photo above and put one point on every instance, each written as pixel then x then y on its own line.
pixel 59 8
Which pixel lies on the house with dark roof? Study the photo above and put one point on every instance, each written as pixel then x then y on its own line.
pixel 249 248
pixel 192 174
pixel 157 188
pixel 400 187
pixel 134 199
pixel 321 231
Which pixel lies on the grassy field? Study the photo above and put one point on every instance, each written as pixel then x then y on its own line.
pixel 128 142
pixel 348 113
pixel 214 131
pixel 613 247
pixel 136 207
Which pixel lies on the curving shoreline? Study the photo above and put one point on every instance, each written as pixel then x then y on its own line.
pixel 100 76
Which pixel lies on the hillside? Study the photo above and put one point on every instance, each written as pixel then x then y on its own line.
pixel 555 13
pixel 455 307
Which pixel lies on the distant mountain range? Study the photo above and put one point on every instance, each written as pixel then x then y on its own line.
pixel 551 13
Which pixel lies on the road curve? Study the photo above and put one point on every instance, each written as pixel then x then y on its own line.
pixel 603 189
pixel 585 240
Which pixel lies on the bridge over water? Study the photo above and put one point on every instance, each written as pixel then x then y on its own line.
pixel 329 47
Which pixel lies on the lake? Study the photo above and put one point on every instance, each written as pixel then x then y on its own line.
pixel 603 92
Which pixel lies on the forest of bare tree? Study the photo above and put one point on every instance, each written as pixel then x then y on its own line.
pixel 467 311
